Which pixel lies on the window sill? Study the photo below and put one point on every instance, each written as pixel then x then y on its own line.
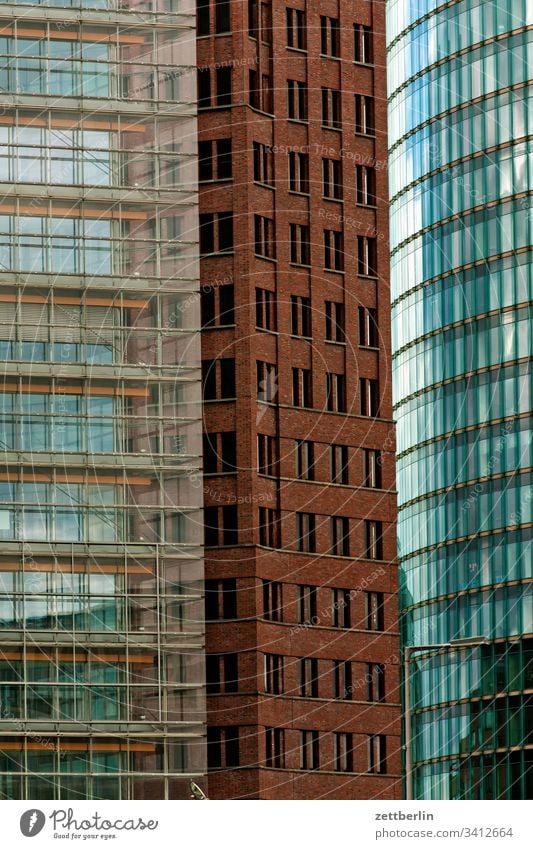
pixel 300 264
pixel 367 205
pixel 215 180
pixel 214 34
pixel 266 330
pixel 369 347
pixel 300 194
pixel 298 336
pixel 333 200
pixel 264 185
pixel 365 135
pixel 298 49
pixel 335 342
pixel 304 121
pixel 218 400
pixel 330 128
pixel 329 56
pixel 364 64
pixel 334 270
pixel 267 258
pixel 218 327
pixel 213 107
pixel 217 253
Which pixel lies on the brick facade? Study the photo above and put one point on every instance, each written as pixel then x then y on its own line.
pixel 249 757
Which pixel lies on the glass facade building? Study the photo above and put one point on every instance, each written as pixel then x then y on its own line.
pixel 461 137
pixel 101 610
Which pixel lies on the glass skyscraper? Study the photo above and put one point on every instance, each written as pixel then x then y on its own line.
pixel 461 124
pixel 101 612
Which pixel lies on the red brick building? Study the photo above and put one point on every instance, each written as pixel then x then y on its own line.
pixel 302 642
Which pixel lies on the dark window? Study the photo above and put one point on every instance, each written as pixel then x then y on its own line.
pixel 268 527
pixel 220 597
pixel 216 232
pixel 371 468
pixel 297 100
pixel 308 677
pixel 223 76
pixel 254 93
pixel 329 37
pixel 342 679
pixel 369 391
pixel 333 250
pixel 296 30
pixel 373 540
pixel 364 115
pixel 340 536
pixel 227 378
pixel 338 463
pixel 343 751
pixel 309 750
pixel 377 753
pixel 307 605
pixel 217 305
pixel 275 748
pixel 264 237
pixel 222 16
pixel 367 256
pixel 298 172
pixel 332 179
pixel 306 532
pixel 335 393
pixel 341 601
pixel 365 185
pixel 300 316
pixel 220 525
pixel 204 88
pixel 331 108
pixel 374 611
pixel 300 250
pixel 368 327
pixel 375 680
pixel 273 674
pixel 266 454
pixel 202 17
pixel 226 304
pixel 273 601
pixel 263 164
pixel 267 382
pixel 302 390
pixel 209 380
pixel 334 321
pixel 222 674
pixel 305 460
pixel 265 309
pixel 207 233
pixel 362 37
pixel 222 747
pixel 220 452
pixel 253 18
pixel 207 302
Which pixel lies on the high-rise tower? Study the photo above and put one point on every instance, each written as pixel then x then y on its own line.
pixel 460 124
pixel 302 654
pixel 101 634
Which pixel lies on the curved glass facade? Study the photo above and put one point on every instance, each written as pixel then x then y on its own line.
pixel 101 570
pixel 461 135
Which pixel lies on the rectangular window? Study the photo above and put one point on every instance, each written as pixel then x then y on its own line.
pixel 222 16
pixel 306 532
pixel 309 750
pixel 341 601
pixel 220 598
pixel 268 527
pixel 332 179
pixel 367 256
pixel 338 464
pixel 302 395
pixel 253 18
pixel 218 379
pixel 377 753
pixel 204 88
pixel 275 748
pixel 220 525
pixel 300 249
pixel 297 100
pixel 298 172
pixel 217 305
pixel 222 747
pixel 368 327
pixel 300 316
pixel 263 164
pixel 296 29
pixel 273 601
pixel 265 309
pixel 227 378
pixel 373 540
pixel 362 44
pixel 226 304
pixel 273 674
pixel 223 81
pixel 364 115
pixel 254 92
pixel 266 454
pixel 202 17
pixel 267 382
pixel 374 611
pixel 335 393
pixel 305 460
pixel 372 468
pixel 333 250
pixel 375 681
pixel 334 321
pixel 369 393
pixel 342 679
pixel 222 674
pixel 219 454
pixel 365 179
pixel 307 605
pixel 331 108
pixel 343 751
pixel 308 669
pixel 216 232
pixel 264 237
pixel 329 37
pixel 339 536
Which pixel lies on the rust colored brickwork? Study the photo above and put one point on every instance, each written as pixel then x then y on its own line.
pixel 256 746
